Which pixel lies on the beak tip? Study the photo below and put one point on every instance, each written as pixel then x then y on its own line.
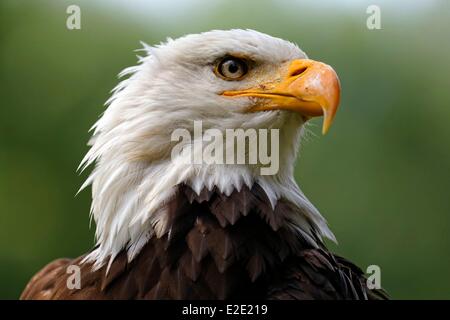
pixel 327 120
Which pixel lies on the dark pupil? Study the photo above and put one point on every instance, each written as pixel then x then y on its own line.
pixel 233 67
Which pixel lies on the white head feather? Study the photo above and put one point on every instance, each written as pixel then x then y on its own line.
pixel 170 88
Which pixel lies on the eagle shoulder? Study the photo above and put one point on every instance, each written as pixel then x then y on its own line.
pixel 42 285
pixel 317 274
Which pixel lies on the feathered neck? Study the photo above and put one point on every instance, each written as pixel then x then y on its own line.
pixel 129 199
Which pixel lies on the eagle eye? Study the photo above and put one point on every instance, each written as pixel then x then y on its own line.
pixel 231 68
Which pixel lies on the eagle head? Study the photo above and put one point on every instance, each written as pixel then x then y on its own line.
pixel 225 80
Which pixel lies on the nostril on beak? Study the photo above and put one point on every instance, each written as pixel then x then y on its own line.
pixel 298 72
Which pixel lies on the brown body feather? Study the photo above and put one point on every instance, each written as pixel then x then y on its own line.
pixel 217 247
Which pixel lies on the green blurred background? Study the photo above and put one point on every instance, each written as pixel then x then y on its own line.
pixel 381 176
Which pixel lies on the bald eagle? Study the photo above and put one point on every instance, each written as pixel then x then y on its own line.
pixel 169 229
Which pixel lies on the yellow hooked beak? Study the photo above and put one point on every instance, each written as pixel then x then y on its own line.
pixel 309 87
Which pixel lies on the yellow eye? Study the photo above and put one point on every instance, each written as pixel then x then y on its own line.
pixel 231 68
